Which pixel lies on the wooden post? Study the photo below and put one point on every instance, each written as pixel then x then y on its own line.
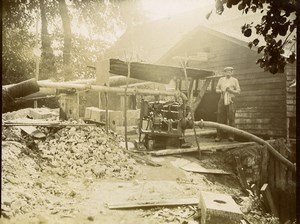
pixel 99 100
pixel 264 165
pixel 78 104
pixel 241 173
pixel 265 190
pixel 125 107
pixel 271 172
pixel 283 169
pixel 288 130
pixel 106 112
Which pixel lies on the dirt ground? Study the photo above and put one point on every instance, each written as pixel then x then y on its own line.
pixel 89 204
pixel 39 185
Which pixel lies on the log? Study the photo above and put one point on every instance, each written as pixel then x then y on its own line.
pixel 21 89
pixel 214 147
pixel 249 136
pixel 265 190
pixel 154 203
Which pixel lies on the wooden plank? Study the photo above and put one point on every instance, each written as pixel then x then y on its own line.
pixel 291 107
pixel 262 92
pixel 154 203
pixel 266 109
pixel 242 103
pixel 267 86
pixel 261 81
pixel 262 126
pixel 46 124
pixel 261 98
pixel 291 114
pixel 252 120
pixel 32 131
pixel 269 132
pixel 291 90
pixel 277 175
pixel 221 147
pixel 155 73
pixel 254 75
pixel 264 165
pixel 291 96
pixel 259 115
pixel 197 168
pixel 283 169
pixel 271 171
pixel 291 102
pixel 265 190
pixel 290 78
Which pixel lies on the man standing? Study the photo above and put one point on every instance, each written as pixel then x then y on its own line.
pixel 228 87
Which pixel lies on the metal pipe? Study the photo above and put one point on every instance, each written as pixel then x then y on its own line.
pixel 247 135
pixel 98 88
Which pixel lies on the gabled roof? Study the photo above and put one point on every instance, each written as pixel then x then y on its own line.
pixel 152 41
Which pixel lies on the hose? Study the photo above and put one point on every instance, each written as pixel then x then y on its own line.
pixel 249 136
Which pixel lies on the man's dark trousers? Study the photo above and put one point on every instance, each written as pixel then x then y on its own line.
pixel 225 112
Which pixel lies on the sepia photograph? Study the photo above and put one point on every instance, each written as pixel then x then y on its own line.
pixel 149 112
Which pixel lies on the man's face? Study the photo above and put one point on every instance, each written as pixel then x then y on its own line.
pixel 228 73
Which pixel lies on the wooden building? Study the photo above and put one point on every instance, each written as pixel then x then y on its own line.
pixel 265 107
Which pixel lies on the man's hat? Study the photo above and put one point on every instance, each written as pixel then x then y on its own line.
pixel 228 69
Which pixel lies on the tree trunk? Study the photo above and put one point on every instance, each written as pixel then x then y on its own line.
pixel 63 10
pixel 48 68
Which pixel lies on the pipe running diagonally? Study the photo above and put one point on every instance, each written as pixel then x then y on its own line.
pixel 249 136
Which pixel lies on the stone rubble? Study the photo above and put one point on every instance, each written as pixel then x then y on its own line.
pixel 31 177
pixel 180 214
pixel 86 151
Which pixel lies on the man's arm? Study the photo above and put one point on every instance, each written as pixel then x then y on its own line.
pixel 218 87
pixel 237 89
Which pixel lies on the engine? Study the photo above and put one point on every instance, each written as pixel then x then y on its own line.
pixel 163 123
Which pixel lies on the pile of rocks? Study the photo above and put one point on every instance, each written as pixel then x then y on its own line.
pixel 86 151
pixel 34 175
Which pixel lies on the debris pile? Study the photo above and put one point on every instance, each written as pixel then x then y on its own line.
pixel 86 151
pixel 180 214
pixel 26 190
pixel 252 210
pixel 34 170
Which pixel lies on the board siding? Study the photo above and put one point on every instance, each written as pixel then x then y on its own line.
pixel 261 107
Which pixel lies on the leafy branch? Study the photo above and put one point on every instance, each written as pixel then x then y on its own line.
pixel 277 24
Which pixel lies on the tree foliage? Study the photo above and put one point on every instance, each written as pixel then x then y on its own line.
pixel 278 25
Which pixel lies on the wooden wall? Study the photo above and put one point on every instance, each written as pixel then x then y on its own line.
pixel 282 182
pixel 291 102
pixel 261 106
